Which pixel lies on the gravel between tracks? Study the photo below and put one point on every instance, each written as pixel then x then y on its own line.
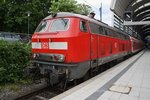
pixel 8 94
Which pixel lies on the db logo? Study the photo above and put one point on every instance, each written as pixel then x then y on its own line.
pixel 45 45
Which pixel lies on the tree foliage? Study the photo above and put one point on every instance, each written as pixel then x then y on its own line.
pixel 70 6
pixel 84 9
pixel 14 57
pixel 64 5
pixel 14 17
pixel 13 13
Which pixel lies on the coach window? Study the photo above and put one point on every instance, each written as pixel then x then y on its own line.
pixel 83 26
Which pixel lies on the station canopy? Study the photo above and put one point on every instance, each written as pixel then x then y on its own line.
pixel 140 10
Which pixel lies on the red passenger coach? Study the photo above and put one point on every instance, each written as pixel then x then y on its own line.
pixel 66 45
pixel 136 44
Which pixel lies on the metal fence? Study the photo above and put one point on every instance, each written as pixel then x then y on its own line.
pixel 10 36
pixel 118 23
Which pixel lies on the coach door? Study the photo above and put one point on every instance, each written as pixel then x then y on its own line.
pixel 94 44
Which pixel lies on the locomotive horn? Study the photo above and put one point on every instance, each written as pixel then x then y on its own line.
pixel 91 15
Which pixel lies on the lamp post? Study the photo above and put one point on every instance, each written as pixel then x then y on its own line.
pixel 100 10
pixel 28 22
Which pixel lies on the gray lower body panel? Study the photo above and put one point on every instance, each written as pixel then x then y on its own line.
pixel 78 70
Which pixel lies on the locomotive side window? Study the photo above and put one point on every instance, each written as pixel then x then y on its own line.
pixel 101 31
pixel 118 35
pixel 83 26
pixel 114 34
pixel 42 27
pixel 110 33
pixel 59 25
pixel 107 32
pixel 94 28
pixel 121 36
pixel 124 37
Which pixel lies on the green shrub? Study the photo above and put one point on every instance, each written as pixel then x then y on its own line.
pixel 14 57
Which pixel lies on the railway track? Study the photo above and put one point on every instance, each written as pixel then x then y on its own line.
pixel 49 92
pixel 45 93
pixel 42 94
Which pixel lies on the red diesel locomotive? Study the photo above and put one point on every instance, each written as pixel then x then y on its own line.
pixel 67 45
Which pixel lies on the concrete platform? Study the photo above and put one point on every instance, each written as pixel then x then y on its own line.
pixel 129 80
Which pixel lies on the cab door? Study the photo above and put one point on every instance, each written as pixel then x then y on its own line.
pixel 94 44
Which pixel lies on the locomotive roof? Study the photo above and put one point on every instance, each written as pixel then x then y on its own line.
pixel 68 14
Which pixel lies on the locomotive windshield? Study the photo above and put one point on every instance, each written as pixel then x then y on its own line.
pixel 59 25
pixel 42 27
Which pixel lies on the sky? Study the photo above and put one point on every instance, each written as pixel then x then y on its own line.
pixel 107 16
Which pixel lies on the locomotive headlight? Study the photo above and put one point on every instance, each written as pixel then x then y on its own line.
pixel 35 55
pixel 59 57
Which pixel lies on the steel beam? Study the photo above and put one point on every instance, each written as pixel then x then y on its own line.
pixel 130 23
